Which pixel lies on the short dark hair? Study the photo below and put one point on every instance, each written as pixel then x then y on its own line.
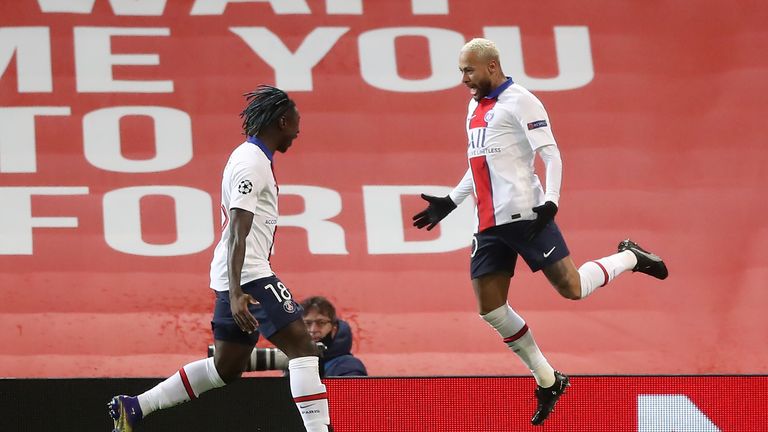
pixel 323 306
pixel 266 104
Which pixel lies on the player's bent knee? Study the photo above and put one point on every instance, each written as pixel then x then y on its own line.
pixel 309 349
pixel 294 340
pixel 569 290
pixel 229 375
pixel 230 370
pixel 571 295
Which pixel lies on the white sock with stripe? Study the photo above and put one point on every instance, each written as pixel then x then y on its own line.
pixel 519 339
pixel 309 393
pixel 595 274
pixel 188 383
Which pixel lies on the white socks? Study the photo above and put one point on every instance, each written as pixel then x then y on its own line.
pixel 200 376
pixel 186 384
pixel 518 338
pixel 309 393
pixel 595 274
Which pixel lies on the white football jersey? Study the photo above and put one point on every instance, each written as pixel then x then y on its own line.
pixel 248 183
pixel 504 129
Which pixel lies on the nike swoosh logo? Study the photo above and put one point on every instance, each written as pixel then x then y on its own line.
pixel 305 406
pixel 547 254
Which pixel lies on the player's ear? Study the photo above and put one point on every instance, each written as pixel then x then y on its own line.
pixel 283 122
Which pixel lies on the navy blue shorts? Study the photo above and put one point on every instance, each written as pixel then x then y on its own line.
pixel 276 309
pixel 496 249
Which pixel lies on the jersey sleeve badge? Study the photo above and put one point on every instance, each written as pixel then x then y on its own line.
pixel 245 187
pixel 537 124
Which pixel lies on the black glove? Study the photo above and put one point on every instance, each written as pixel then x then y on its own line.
pixel 438 208
pixel 545 214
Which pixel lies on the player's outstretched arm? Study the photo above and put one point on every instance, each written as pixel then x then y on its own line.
pixel 546 212
pixel 437 210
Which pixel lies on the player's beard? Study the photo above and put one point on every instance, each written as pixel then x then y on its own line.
pixel 483 89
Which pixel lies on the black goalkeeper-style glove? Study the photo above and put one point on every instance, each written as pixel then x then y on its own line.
pixel 545 214
pixel 438 208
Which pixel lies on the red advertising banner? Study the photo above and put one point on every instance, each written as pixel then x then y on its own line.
pixel 117 116
pixel 410 404
pixel 592 404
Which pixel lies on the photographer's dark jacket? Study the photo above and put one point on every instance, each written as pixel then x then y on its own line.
pixel 338 359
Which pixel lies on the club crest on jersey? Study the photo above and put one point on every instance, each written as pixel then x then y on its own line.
pixel 245 187
pixel 488 116
pixel 537 124
pixel 289 307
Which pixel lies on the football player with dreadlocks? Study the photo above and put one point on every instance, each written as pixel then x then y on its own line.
pixel 250 299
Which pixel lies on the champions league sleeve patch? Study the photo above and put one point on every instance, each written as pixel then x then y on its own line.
pixel 537 124
pixel 245 187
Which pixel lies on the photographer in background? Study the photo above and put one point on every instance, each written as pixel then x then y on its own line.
pixel 325 327
pixel 332 336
